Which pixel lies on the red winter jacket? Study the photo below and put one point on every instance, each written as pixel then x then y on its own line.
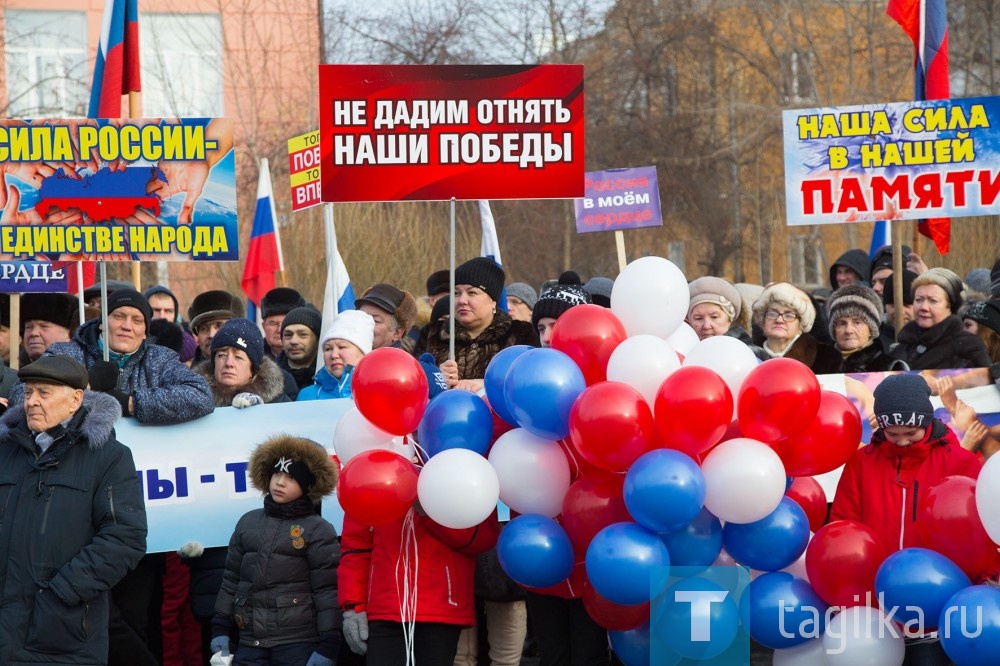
pixel 368 572
pixel 883 484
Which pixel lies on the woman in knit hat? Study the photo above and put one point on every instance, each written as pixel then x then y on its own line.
pixel 238 371
pixel 986 317
pixel 481 329
pixel 883 483
pixel 344 344
pixel 854 312
pixel 554 301
pixel 936 339
pixel 715 308
pixel 786 315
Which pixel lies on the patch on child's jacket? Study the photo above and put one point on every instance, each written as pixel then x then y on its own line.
pixel 298 543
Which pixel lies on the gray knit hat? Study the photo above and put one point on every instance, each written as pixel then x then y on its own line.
pixel 599 289
pixel 978 280
pixel 524 293
pixel 948 281
pixel 855 300
pixel 789 295
pixel 710 289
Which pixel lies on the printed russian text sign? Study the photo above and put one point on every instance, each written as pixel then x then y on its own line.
pixel 619 199
pixel 303 170
pixel 433 132
pixel 892 161
pixel 118 190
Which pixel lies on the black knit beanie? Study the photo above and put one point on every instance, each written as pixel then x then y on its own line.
pixel 130 298
pixel 483 273
pixel 559 298
pixel 903 400
pixel 307 316
pixel 240 334
pixel 984 313
pixel 888 293
pixel 298 470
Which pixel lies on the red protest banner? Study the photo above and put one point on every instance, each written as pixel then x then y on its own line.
pixel 433 132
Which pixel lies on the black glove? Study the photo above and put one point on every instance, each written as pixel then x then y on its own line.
pixel 103 377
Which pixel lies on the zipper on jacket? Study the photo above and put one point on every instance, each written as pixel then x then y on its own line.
pixel 902 521
pixel 447 575
pixel 914 515
pixel 111 504
pixel 48 505
pixel 86 611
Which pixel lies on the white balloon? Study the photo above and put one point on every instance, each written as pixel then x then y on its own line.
pixel 862 636
pixel 643 362
pixel 744 480
pixel 650 296
pixel 807 654
pixel 988 497
pixel 683 338
pixel 533 472
pixel 728 357
pixel 355 434
pixel 458 488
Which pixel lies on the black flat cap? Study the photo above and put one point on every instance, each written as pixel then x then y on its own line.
pixel 55 370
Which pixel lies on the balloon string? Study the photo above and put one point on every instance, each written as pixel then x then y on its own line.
pixel 408 595
pixel 421 451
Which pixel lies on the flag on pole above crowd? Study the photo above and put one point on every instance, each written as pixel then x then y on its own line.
pixel 116 71
pixel 339 293
pixel 264 251
pixel 926 23
pixel 881 236
pixel 490 245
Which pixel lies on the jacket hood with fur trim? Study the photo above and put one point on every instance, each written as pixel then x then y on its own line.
pixel 297 448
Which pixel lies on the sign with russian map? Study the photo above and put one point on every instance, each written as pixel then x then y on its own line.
pixel 436 132
pixel 910 160
pixel 118 190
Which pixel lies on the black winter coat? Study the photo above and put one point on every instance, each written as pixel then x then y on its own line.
pixel 72 523
pixel 872 358
pixel 945 345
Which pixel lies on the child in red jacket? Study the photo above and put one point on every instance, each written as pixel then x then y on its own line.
pixel 884 483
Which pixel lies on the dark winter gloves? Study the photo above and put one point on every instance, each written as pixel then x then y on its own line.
pixel 104 378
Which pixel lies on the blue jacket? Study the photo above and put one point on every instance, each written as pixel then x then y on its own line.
pixel 327 386
pixel 72 523
pixel 164 390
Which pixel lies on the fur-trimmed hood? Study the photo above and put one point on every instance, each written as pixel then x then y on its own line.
pixel 268 382
pixel 299 449
pixel 96 422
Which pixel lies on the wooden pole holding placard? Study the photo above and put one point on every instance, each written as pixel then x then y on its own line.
pixel 620 244
pixel 15 330
pixel 897 271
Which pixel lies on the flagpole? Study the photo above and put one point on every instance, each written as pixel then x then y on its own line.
pixel 135 111
pixel 451 282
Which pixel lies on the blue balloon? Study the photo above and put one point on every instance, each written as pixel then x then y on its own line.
pixel 496 375
pixel 694 628
pixel 696 545
pixel 455 420
pixel 969 626
pixel 535 551
pixel 918 582
pixel 541 387
pixel 622 560
pixel 664 490
pixel 632 647
pixel 781 611
pixel 771 543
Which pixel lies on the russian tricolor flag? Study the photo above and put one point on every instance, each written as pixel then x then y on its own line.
pixel 116 71
pixel 264 250
pixel 490 245
pixel 338 295
pixel 926 22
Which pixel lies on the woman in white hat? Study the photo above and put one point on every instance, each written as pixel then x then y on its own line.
pixel 786 315
pixel 344 344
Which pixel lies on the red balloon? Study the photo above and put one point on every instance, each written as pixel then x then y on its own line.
pixel 578 467
pixel 390 390
pixel 828 442
pixel 693 409
pixel 588 334
pixel 591 504
pixel 807 493
pixel 779 398
pixel 610 425
pixel 842 560
pixel 377 487
pixel 610 615
pixel 949 522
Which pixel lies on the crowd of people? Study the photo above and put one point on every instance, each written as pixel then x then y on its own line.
pixel 311 598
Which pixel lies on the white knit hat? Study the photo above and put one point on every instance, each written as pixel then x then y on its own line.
pixel 789 295
pixel 355 326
